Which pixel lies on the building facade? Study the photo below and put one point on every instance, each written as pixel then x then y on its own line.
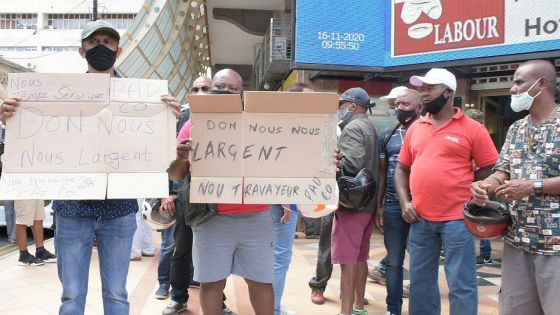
pixel 44 36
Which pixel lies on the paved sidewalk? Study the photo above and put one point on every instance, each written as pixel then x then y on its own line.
pixel 36 290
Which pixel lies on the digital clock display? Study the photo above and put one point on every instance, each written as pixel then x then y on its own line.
pixel 388 33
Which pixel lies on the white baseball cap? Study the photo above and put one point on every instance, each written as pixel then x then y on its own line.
pixel 436 76
pixel 99 25
pixel 395 92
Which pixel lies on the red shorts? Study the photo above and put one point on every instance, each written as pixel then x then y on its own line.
pixel 351 235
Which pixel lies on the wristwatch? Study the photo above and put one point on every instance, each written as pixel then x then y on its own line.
pixel 538 187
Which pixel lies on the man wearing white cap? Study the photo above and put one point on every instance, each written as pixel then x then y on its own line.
pixel 391 97
pixel 432 180
pixel 377 273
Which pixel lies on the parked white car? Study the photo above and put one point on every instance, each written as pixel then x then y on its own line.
pixel 48 222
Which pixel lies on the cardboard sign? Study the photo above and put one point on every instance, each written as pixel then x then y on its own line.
pixel 277 150
pixel 76 125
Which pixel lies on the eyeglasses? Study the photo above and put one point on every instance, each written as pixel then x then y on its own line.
pixel 196 89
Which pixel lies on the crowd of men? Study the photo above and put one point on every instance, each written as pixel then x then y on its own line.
pixel 426 168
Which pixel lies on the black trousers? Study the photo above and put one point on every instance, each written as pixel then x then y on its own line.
pixel 181 262
pixel 324 263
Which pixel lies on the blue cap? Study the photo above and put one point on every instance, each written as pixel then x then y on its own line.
pixel 357 96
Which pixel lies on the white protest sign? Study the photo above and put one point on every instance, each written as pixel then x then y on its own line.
pixel 74 124
pixel 278 150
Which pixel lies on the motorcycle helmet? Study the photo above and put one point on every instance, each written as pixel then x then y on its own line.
pixel 356 191
pixel 316 210
pixel 487 222
pixel 154 218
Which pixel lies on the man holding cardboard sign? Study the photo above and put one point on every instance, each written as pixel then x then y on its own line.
pixel 274 148
pixel 111 221
pixel 237 241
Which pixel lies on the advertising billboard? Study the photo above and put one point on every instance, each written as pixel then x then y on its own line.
pixel 381 34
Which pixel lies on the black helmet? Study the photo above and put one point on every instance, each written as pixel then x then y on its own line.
pixel 356 191
pixel 487 221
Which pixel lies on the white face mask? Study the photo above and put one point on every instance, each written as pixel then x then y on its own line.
pixel 392 112
pixel 523 101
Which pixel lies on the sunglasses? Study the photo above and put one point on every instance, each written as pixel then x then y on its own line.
pixel 203 88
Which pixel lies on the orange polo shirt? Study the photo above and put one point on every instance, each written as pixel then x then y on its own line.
pixel 440 162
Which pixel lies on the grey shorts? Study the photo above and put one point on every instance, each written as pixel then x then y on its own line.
pixel 530 283
pixel 234 244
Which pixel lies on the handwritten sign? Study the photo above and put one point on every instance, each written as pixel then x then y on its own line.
pixel 277 150
pixel 74 124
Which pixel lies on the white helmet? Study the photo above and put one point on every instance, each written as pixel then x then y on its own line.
pixel 156 220
pixel 316 210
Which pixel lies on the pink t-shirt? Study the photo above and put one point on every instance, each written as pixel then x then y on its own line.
pixel 185 133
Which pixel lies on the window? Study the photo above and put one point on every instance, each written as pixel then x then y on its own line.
pixel 60 48
pixel 78 20
pixel 18 21
pixel 68 20
pixel 18 48
pixel 118 20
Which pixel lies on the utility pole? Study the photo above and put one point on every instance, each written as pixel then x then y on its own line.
pixel 94 17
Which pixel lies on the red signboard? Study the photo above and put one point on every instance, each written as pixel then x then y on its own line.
pixel 372 87
pixel 438 25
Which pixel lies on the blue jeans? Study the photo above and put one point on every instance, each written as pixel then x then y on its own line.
pixel 165 254
pixel 425 241
pixel 395 237
pixel 73 241
pixel 283 239
pixel 485 249
pixel 10 219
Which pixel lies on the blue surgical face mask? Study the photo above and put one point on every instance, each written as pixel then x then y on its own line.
pixel 523 101
pixel 343 114
pixel 392 112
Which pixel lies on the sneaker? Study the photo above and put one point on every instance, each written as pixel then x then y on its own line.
pixel 359 312
pixel 406 291
pixel 173 308
pixel 483 261
pixel 162 292
pixel 227 311
pixel 313 236
pixel 29 260
pixel 194 284
pixel 135 258
pixel 285 311
pixel 375 276
pixel 46 256
pixel 317 297
pixel 389 313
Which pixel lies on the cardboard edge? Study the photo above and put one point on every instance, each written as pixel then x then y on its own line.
pixel 291 102
pixel 222 103
pixel 137 185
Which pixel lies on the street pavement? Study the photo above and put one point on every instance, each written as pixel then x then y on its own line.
pixel 36 290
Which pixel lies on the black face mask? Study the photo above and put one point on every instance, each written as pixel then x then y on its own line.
pixel 101 57
pixel 215 91
pixel 406 116
pixel 435 105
